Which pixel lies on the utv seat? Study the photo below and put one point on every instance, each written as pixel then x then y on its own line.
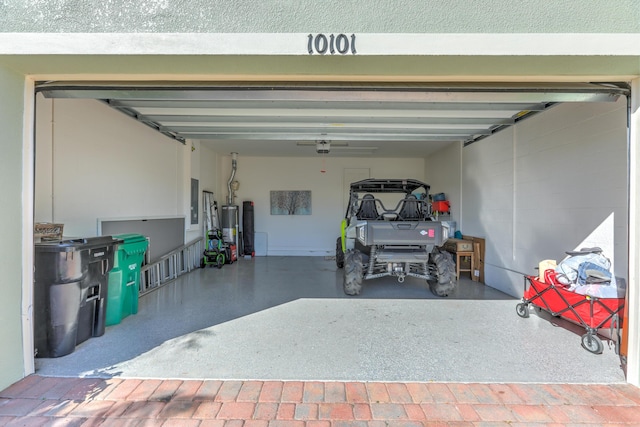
pixel 367 209
pixel 410 209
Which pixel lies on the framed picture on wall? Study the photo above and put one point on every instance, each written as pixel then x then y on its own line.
pixel 291 202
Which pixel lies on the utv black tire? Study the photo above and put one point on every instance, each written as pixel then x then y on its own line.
pixel 445 270
pixel 339 253
pixel 352 272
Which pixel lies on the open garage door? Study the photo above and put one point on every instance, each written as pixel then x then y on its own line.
pixel 407 121
pixel 382 120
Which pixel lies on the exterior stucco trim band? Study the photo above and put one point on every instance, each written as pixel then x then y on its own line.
pixel 296 44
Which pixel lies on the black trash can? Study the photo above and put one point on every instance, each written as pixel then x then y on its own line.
pixel 70 292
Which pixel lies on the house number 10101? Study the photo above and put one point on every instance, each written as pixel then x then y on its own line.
pixel 332 44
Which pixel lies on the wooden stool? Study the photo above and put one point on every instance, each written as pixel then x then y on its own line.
pixel 458 269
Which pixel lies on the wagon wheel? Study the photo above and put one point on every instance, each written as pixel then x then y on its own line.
pixel 592 343
pixel 523 310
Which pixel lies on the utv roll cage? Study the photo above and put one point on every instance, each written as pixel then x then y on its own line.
pixel 415 206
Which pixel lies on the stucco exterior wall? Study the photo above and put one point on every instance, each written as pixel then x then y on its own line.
pixel 11 218
pixel 278 16
pixel 633 296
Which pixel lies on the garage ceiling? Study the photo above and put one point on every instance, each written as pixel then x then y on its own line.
pixel 381 120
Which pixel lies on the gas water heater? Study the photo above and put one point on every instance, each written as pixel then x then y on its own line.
pixel 230 216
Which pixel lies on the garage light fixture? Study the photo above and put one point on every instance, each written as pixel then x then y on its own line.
pixel 323 147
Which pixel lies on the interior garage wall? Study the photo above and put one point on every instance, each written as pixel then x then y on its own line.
pixel 207 160
pixel 442 171
pixel 313 234
pixel 553 183
pixel 11 218
pixel 93 162
pixel 200 164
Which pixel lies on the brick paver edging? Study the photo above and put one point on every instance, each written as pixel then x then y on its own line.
pixel 38 401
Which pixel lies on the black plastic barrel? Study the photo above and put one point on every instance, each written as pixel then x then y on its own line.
pixel 70 293
pixel 248 228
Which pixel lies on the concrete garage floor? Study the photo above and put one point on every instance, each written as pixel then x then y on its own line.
pixel 286 318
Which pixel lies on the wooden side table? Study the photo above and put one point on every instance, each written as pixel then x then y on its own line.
pixel 459 255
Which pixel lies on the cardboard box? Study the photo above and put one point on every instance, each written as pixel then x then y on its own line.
pixel 47 231
pixel 478 260
pixel 458 245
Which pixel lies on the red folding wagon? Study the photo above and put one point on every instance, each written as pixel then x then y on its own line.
pixel 593 313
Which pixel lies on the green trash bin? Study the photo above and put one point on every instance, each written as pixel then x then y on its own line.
pixel 124 277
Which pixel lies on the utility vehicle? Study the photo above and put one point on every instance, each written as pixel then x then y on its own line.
pixel 383 236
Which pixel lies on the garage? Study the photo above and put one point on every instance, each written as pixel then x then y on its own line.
pixel 536 88
pixel 484 145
